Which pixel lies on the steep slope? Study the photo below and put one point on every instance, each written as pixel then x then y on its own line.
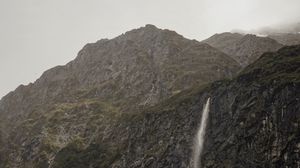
pixel 253 122
pixel 255 118
pixel 82 100
pixel 245 49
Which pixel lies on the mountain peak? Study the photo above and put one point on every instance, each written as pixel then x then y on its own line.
pixel 150 26
pixel 147 64
pixel 149 31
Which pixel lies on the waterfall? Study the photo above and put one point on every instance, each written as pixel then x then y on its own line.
pixel 199 140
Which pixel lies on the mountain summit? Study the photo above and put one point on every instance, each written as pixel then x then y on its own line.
pixel 143 65
pixel 108 78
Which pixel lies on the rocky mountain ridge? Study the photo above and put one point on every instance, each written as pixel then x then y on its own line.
pixel 243 48
pixel 148 63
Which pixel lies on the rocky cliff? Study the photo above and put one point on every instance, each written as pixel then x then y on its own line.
pixel 255 117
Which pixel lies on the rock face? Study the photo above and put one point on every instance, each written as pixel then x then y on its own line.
pixel 245 49
pixel 255 118
pixel 83 102
pixel 253 122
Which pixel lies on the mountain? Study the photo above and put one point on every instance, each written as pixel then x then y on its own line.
pixel 288 34
pixel 286 38
pixel 84 101
pixel 142 66
pixel 224 41
pixel 253 122
pixel 245 49
pixel 136 101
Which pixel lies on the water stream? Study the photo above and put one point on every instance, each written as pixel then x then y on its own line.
pixel 200 137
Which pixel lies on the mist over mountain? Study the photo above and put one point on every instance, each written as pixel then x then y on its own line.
pixel 136 101
pixel 291 28
pixel 286 34
pixel 286 38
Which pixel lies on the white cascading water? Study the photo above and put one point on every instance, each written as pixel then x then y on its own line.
pixel 199 140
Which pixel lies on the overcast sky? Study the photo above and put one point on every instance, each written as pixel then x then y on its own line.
pixel 36 35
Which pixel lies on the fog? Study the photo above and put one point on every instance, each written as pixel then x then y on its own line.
pixel 39 34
